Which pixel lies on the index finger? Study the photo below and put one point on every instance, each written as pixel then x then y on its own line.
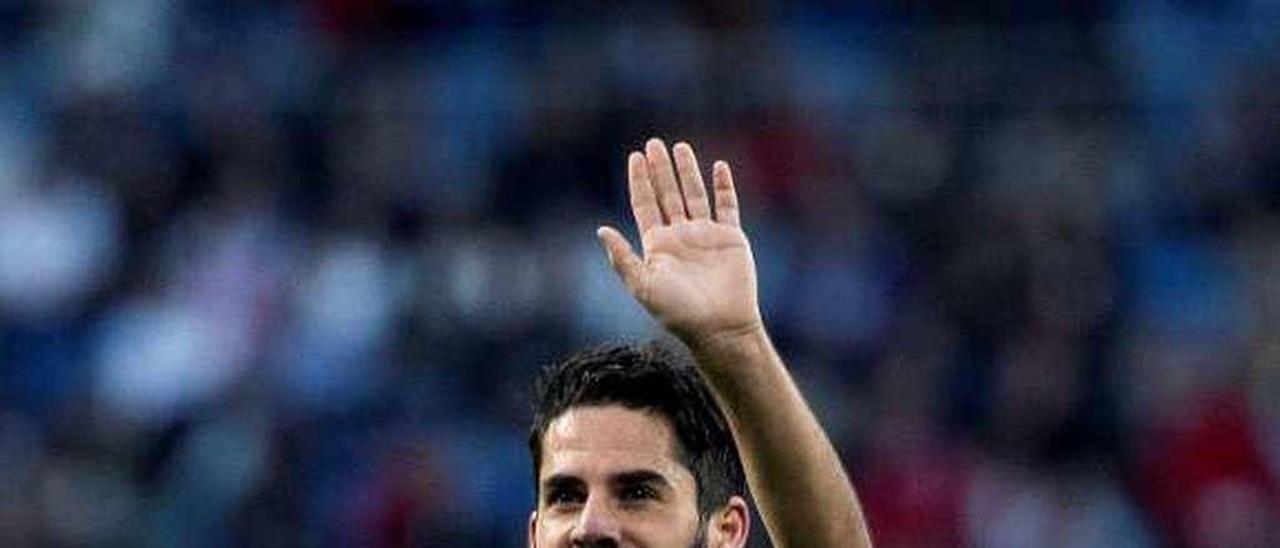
pixel 644 202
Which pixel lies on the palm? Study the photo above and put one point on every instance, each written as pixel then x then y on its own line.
pixel 697 275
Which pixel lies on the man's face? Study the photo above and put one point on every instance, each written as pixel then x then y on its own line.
pixel 609 477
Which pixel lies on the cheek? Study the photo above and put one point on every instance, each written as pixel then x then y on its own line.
pixel 553 531
pixel 666 528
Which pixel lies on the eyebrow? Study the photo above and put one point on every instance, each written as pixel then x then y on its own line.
pixel 640 477
pixel 629 477
pixel 561 481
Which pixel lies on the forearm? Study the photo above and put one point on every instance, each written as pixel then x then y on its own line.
pixel 803 493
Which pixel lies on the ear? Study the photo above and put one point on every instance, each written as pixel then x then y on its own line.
pixel 533 529
pixel 730 524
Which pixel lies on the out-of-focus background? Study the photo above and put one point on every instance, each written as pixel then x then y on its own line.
pixel 279 273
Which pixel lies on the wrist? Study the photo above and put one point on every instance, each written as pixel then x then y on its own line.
pixel 724 344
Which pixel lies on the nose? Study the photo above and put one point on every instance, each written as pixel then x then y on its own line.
pixel 597 525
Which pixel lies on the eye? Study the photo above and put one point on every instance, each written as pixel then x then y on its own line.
pixel 639 492
pixel 564 497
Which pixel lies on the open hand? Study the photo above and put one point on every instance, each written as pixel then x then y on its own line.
pixel 696 276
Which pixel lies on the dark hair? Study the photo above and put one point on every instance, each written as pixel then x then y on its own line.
pixel 651 378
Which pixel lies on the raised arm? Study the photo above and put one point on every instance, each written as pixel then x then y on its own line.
pixel 697 277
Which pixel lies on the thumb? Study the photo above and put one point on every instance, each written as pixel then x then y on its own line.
pixel 621 257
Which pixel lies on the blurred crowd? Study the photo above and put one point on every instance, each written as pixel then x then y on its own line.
pixel 279 273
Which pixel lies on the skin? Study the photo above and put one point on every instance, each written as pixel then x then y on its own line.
pixel 696 275
pixel 610 477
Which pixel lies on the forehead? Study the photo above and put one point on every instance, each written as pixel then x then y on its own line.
pixel 596 441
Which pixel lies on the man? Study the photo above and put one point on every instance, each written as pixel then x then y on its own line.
pixel 627 448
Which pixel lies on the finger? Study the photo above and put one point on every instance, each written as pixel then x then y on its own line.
pixel 726 195
pixel 622 258
pixel 691 185
pixel 644 203
pixel 664 181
